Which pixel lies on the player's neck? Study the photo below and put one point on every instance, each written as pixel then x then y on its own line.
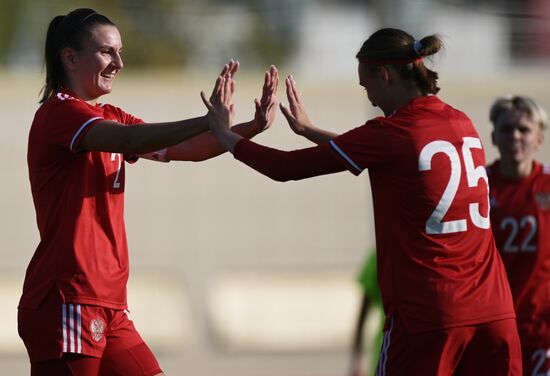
pixel 516 170
pixel 401 100
pixel 81 92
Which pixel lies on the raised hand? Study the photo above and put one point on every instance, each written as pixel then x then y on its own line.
pixel 220 106
pixel 265 107
pixel 295 113
pixel 229 70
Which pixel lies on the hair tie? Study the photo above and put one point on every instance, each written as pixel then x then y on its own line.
pixel 417 47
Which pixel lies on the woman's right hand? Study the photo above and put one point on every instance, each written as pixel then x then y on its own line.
pixel 295 113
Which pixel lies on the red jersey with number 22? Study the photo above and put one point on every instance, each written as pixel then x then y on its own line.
pixel 438 266
pixel 520 216
pixel 79 201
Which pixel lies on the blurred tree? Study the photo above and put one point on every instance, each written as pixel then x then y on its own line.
pixel 10 12
pixel 153 32
pixel 147 28
pixel 275 33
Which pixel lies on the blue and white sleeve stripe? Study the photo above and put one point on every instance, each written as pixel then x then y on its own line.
pixel 345 156
pixel 82 127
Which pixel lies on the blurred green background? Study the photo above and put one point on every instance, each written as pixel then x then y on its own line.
pixel 176 33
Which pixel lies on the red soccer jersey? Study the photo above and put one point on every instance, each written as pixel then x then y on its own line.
pixel 438 265
pixel 79 202
pixel 520 217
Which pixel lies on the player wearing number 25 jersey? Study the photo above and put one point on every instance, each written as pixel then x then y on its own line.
pixel 438 264
pixel 443 285
pixel 520 217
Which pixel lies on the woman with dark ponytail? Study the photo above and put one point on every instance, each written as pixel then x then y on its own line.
pixel 447 301
pixel 73 311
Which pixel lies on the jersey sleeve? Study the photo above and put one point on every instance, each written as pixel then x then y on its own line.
pixel 69 120
pixel 127 119
pixel 124 117
pixel 287 165
pixel 362 147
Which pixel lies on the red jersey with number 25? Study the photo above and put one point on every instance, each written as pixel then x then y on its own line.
pixel 520 216
pixel 438 266
pixel 79 202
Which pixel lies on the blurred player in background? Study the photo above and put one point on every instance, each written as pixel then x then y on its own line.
pixel 72 313
pixel 371 309
pixel 520 217
pixel 446 297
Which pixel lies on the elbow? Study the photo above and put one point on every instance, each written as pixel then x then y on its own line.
pixel 198 158
pixel 278 176
pixel 281 178
pixel 186 156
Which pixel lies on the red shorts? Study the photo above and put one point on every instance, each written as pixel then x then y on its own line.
pixel 536 361
pixel 486 349
pixel 56 330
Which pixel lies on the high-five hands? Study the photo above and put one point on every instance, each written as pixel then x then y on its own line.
pixel 220 105
pixel 220 108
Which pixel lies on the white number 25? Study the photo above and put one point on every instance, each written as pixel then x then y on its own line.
pixel 435 223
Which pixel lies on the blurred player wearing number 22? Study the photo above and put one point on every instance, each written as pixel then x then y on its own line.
pixel 520 218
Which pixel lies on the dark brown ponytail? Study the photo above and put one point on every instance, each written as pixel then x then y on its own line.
pixel 398 48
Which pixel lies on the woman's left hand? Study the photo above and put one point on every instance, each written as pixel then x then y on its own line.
pixel 229 70
pixel 220 106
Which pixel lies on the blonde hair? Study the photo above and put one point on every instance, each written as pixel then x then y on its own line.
pixel 520 103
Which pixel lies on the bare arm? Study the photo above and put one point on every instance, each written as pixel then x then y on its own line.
pixel 297 117
pixel 206 146
pixel 110 136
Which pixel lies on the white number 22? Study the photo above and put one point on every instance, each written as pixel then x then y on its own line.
pixel 435 223
pixel 514 225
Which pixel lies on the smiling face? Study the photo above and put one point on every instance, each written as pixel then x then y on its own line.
pixel 92 69
pixel 517 136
